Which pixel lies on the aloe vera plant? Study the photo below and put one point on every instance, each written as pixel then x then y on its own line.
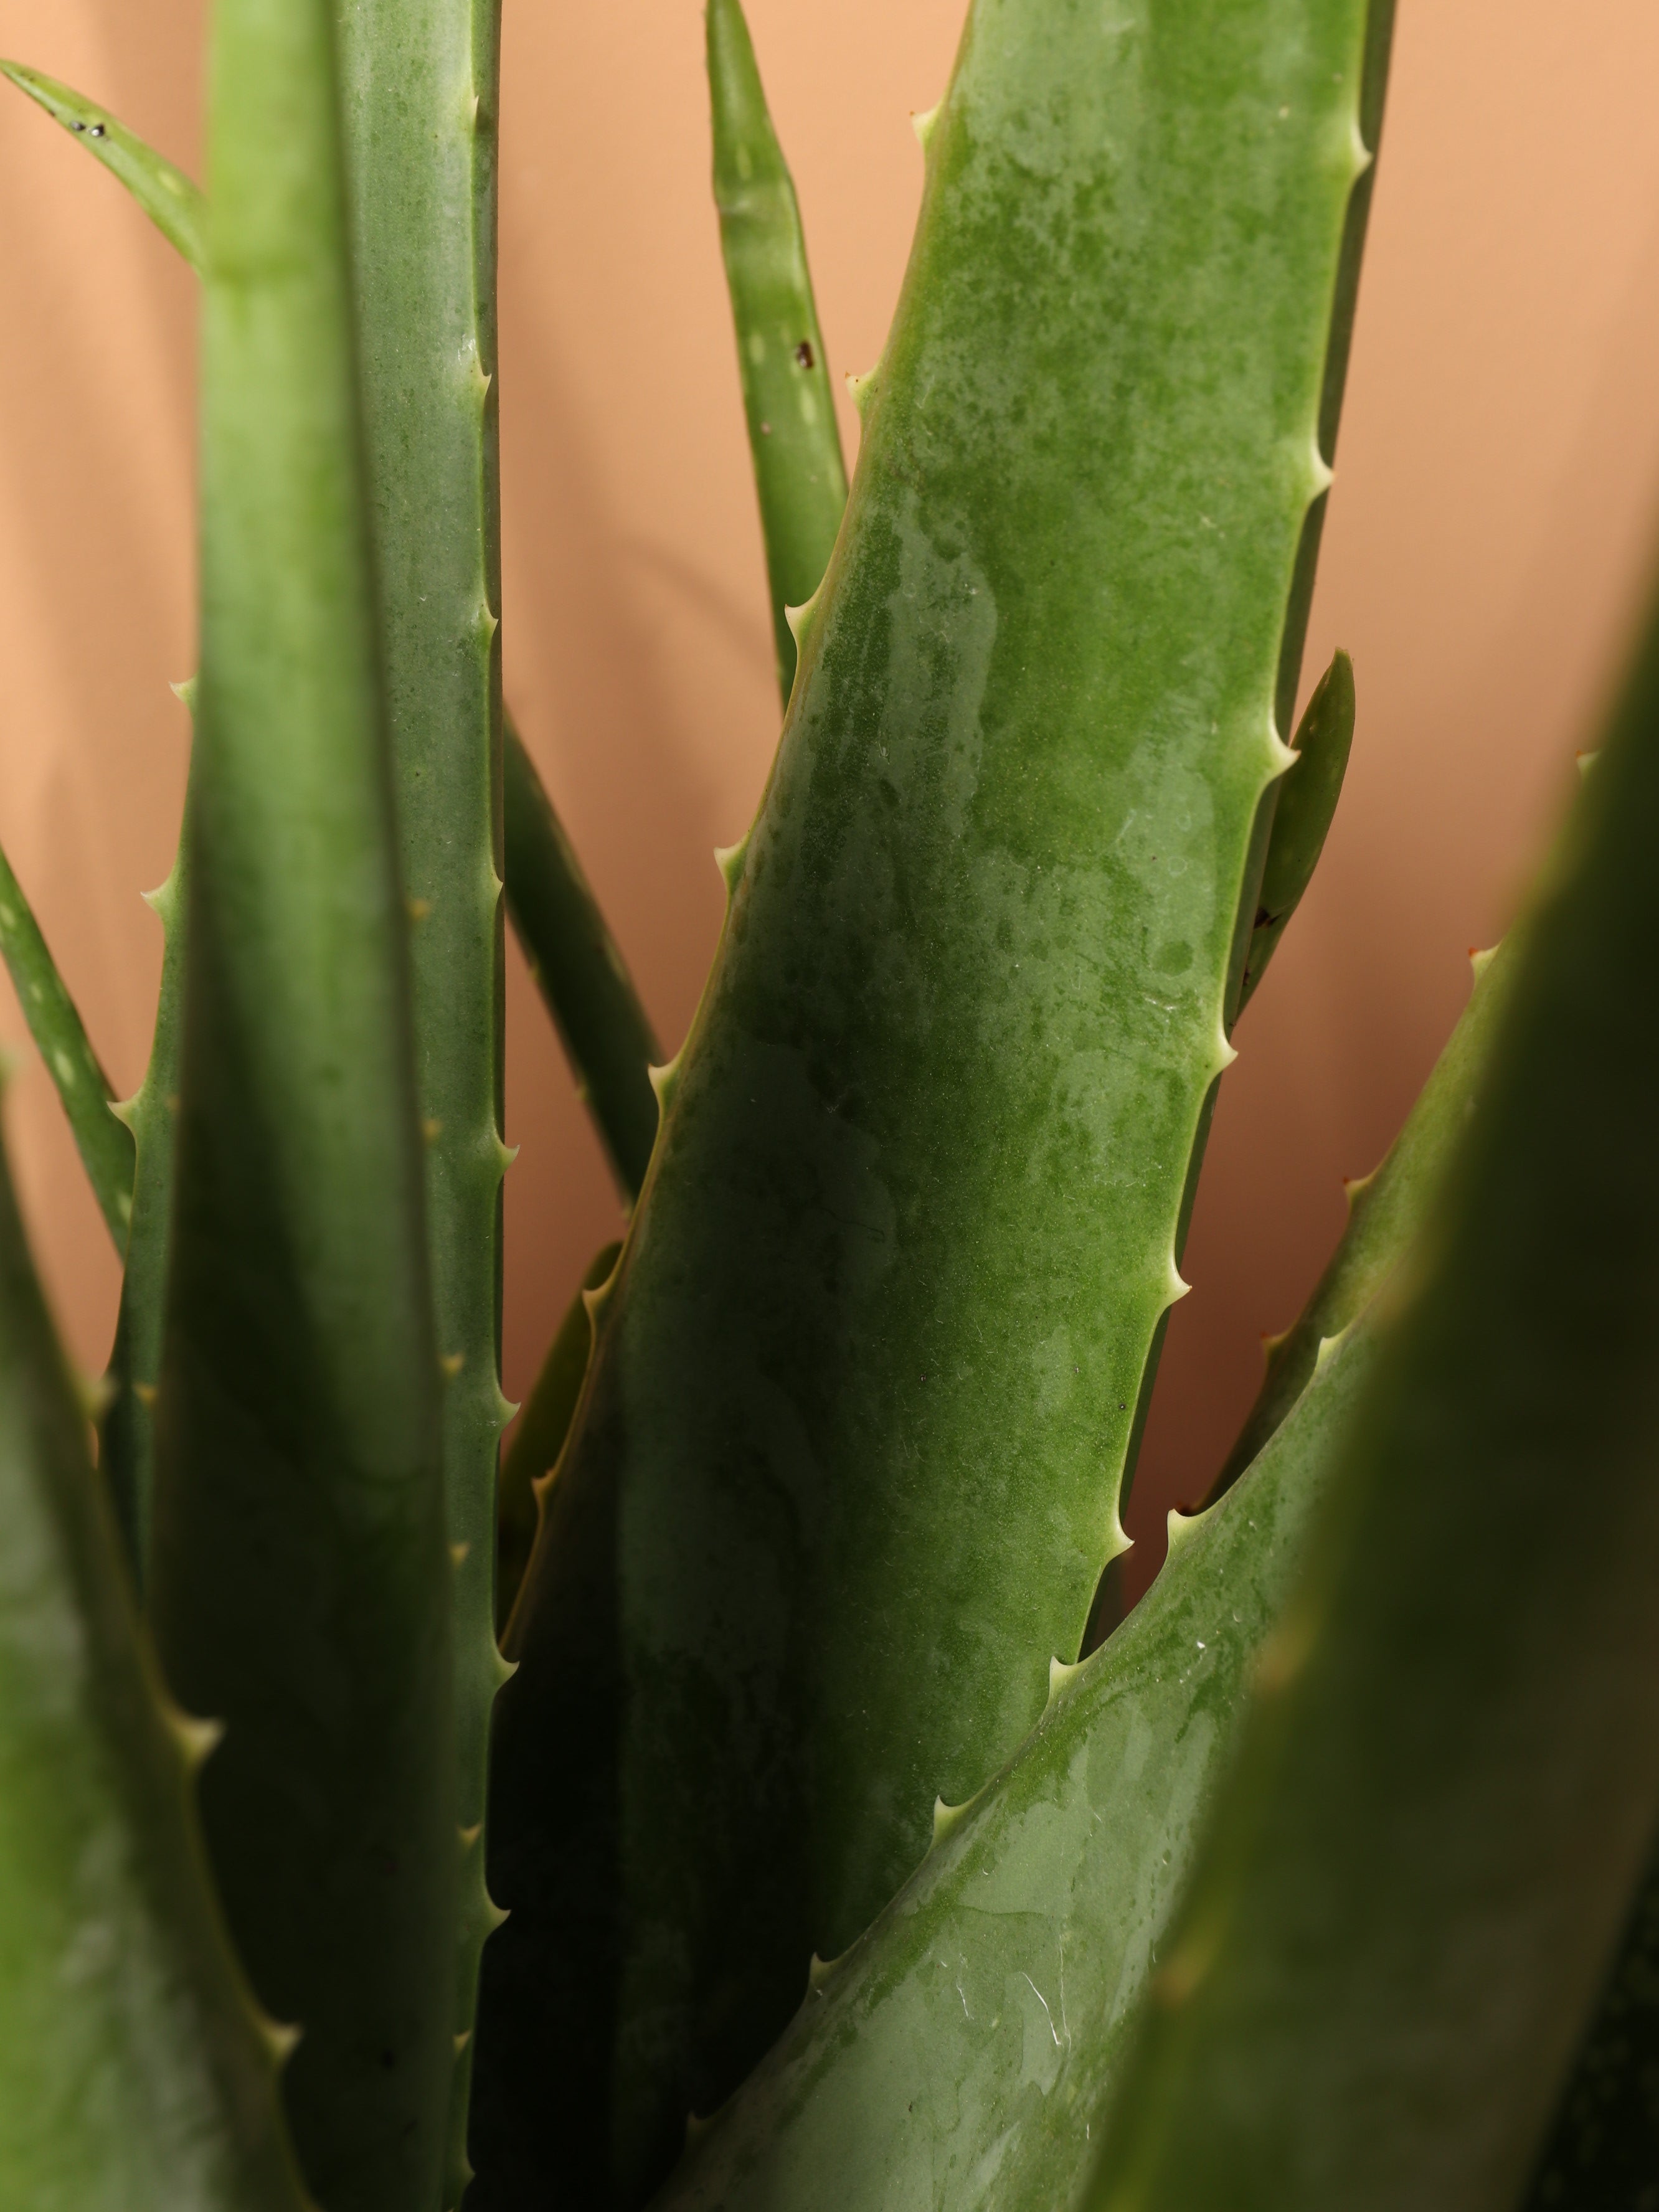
pixel 750 1793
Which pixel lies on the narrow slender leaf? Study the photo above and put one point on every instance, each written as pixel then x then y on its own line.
pixel 127 1429
pixel 419 90
pixel 1384 1208
pixel 1448 1781
pixel 843 1476
pixel 579 973
pixel 105 1147
pixel 540 1435
pixel 166 195
pixel 571 951
pixel 800 474
pixel 301 1576
pixel 137 2070
pixel 1303 813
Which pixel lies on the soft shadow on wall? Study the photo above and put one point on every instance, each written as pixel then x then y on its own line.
pixel 1489 530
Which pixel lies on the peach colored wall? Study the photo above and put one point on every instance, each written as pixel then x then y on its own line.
pixel 1489 530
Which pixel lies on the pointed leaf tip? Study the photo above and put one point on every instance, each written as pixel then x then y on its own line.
pixel 172 203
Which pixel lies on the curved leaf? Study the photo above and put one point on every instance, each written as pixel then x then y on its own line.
pixel 165 194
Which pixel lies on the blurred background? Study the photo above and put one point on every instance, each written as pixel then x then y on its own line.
pixel 1496 501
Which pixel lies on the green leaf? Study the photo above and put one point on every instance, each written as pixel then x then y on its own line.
pixel 844 1474
pixel 540 1435
pixel 950 2059
pixel 60 1036
pixel 1448 1784
pixel 137 2070
pixel 166 195
pixel 800 474
pixel 127 1429
pixel 1302 814
pixel 420 106
pixel 1080 1849
pixel 301 1571
pixel 1384 1210
pixel 570 949
pixel 580 974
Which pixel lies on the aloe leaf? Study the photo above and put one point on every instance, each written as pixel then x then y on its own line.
pixel 127 1429
pixel 843 1475
pixel 1602 2154
pixel 540 1435
pixel 1447 1783
pixel 301 1581
pixel 166 195
pixel 1303 813
pixel 580 972
pixel 800 474
pixel 950 2059
pixel 137 2070
pixel 60 1036
pixel 1384 1208
pixel 419 89
pixel 1079 1850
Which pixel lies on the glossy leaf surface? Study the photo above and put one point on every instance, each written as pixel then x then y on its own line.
pixel 954 2056
pixel 843 1476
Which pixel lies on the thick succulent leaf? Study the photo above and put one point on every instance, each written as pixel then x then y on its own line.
pixel 166 195
pixel 1602 2151
pixel 60 1036
pixel 1303 813
pixel 301 1571
pixel 952 2057
pixel 1447 1783
pixel 843 1476
pixel 1084 1839
pixel 800 474
pixel 137 2070
pixel 1384 1208
pixel 579 973
pixel 419 87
